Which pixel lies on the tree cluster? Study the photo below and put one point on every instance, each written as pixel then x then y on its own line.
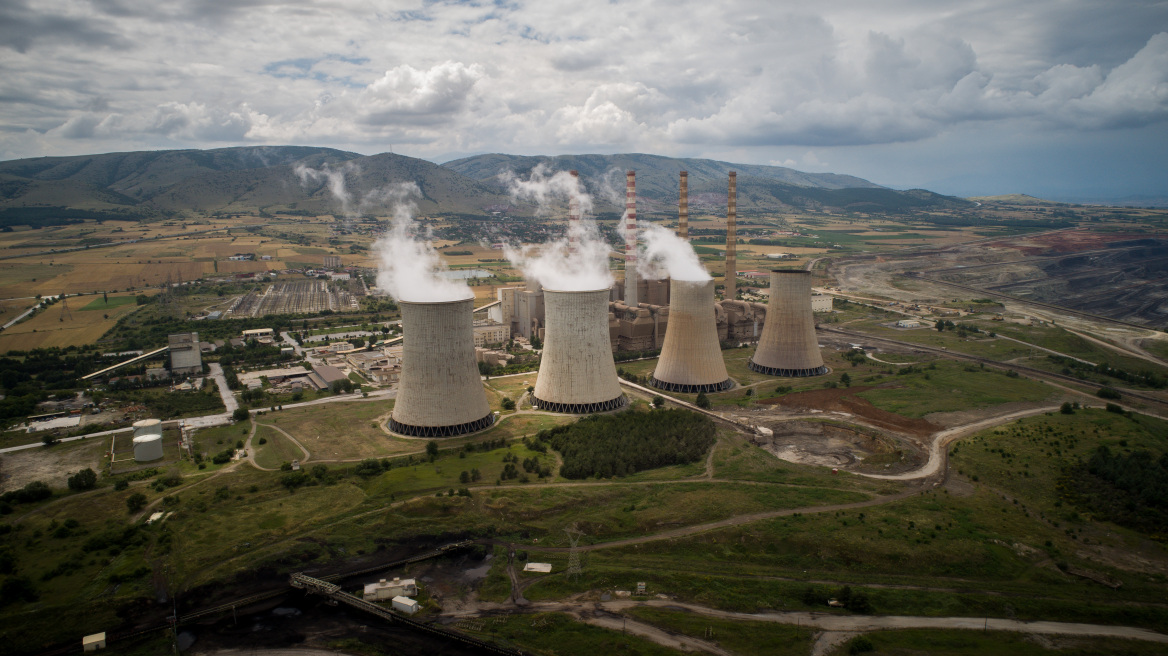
pixel 629 442
pixel 1130 489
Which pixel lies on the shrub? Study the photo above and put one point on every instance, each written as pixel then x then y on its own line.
pixel 1109 393
pixel 240 414
pixel 703 401
pixel 136 502
pixel 1067 408
pixel 86 479
pixel 861 645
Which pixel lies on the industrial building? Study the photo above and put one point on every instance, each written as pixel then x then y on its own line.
pixel 788 346
pixel 383 589
pixel 147 440
pixel 821 302
pixel 186 356
pixel 489 331
pixel 691 359
pixel 440 393
pixel 332 261
pixel 577 373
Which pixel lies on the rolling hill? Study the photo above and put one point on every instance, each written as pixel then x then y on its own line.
pixel 158 184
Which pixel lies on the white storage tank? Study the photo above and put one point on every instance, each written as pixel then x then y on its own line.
pixel 147 440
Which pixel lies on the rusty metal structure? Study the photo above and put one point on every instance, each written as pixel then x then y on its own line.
pixel 631 298
pixel 731 288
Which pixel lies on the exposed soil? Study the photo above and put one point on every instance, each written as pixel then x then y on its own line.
pixel 844 400
pixel 830 445
pixel 1070 241
pixel 50 464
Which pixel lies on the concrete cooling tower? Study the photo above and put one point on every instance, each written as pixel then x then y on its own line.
pixel 440 393
pixel 691 358
pixel 787 346
pixel 147 440
pixel 577 374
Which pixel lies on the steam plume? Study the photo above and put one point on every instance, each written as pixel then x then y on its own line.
pixel 410 269
pixel 579 261
pixel 336 182
pixel 663 254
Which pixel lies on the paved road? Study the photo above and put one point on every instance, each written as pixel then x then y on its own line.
pixel 23 315
pixel 293 343
pixel 229 401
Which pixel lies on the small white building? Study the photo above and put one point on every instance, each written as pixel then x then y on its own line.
pixel 821 302
pixel 908 323
pixel 405 605
pixel 542 568
pixel 93 642
pixel 383 589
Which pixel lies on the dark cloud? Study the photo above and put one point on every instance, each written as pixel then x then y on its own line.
pixel 22 28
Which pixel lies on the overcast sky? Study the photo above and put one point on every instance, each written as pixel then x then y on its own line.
pixel 1060 98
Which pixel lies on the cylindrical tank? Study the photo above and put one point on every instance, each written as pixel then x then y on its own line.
pixel 788 346
pixel 440 393
pixel 691 358
pixel 577 373
pixel 147 440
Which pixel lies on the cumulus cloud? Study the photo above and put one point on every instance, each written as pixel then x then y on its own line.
pixel 749 75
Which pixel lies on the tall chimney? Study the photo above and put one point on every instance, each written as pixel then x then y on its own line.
pixel 631 239
pixel 683 207
pixel 732 239
pixel 573 211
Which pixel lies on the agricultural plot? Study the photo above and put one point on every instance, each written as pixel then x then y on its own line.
pixel 58 326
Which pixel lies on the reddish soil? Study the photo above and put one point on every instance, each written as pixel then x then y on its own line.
pixel 844 400
pixel 1064 242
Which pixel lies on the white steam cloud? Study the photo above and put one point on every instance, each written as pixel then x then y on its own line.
pixel 577 262
pixel 335 177
pixel 409 268
pixel 664 254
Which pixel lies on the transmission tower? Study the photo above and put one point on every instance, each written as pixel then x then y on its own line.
pixel 65 314
pixel 574 567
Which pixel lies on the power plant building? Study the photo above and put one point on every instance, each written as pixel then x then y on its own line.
pixel 186 357
pixel 577 373
pixel 440 393
pixel 147 440
pixel 691 359
pixel 788 346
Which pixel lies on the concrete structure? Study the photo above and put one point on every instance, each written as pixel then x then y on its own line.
pixel 821 302
pixel 491 332
pixel 332 261
pixel 257 333
pixel 542 568
pixel 405 605
pixel 691 359
pixel 440 393
pixel 186 356
pixel 641 328
pixel 93 642
pixel 631 298
pixel 908 323
pixel 683 207
pixel 577 373
pixel 731 239
pixel 383 589
pixel 147 440
pixel 323 376
pixel 788 346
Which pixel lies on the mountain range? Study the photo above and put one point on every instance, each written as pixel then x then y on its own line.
pixel 296 179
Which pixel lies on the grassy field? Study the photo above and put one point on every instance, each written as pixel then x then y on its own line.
pixel 735 636
pixel 970 643
pixel 558 634
pixel 53 327
pixel 276 451
pixel 947 386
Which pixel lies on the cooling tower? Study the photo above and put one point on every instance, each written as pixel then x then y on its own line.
pixel 440 393
pixel 147 440
pixel 577 374
pixel 787 346
pixel 691 358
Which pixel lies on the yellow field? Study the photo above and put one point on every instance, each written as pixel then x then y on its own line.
pixel 51 328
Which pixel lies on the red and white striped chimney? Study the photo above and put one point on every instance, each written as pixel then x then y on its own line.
pixel 631 239
pixel 573 211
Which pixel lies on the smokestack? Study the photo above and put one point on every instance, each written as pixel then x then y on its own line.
pixel 573 211
pixel 577 373
pixel 631 239
pixel 732 239
pixel 788 346
pixel 440 393
pixel 683 207
pixel 691 358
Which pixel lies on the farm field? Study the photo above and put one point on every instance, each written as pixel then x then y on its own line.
pixel 55 326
